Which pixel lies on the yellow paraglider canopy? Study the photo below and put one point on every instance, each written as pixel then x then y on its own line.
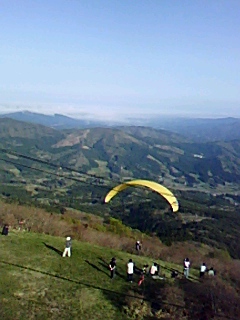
pixel 163 191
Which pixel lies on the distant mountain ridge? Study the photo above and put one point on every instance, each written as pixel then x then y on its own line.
pixel 195 129
pixel 201 130
pixel 57 121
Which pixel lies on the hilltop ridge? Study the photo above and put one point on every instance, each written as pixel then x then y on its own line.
pixel 196 129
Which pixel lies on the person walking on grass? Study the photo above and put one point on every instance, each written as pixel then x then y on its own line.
pixel 68 246
pixel 112 267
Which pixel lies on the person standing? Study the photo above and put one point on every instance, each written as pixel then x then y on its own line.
pixel 68 246
pixel 142 275
pixel 186 266
pixel 203 269
pixel 130 270
pixel 138 246
pixel 112 267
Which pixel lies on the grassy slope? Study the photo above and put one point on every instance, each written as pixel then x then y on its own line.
pixel 37 283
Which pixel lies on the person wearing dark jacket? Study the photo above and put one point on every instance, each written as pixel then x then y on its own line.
pixel 5 230
pixel 68 246
pixel 112 267
pixel 174 274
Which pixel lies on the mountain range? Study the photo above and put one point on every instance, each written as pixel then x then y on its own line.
pixel 75 168
pixel 128 152
pixel 196 129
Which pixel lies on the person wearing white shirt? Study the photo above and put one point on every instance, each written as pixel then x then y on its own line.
pixel 211 272
pixel 130 270
pixel 68 246
pixel 154 269
pixel 186 265
pixel 203 269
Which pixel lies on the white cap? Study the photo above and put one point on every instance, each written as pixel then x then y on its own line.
pixel 68 238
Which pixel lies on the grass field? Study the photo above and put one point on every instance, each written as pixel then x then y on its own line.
pixel 37 283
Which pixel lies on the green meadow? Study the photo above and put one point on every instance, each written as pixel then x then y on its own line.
pixel 38 283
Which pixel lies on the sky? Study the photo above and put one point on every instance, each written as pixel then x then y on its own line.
pixel 111 59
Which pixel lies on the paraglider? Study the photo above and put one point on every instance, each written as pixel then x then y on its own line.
pixel 163 191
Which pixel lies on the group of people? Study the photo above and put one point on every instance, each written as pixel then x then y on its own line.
pixel 153 271
pixel 202 272
pixel 132 269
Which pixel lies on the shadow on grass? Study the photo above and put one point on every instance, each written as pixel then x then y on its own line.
pixel 53 249
pixel 95 267
pixel 114 296
pixel 106 263
pixel 81 283
pixel 180 273
pixel 137 271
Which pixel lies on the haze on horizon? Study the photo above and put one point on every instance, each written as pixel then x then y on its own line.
pixel 111 59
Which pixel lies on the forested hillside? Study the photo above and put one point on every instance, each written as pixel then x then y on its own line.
pixel 76 168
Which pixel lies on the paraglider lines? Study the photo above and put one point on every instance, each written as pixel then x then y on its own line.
pixel 57 167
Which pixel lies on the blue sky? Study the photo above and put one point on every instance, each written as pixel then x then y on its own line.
pixel 111 58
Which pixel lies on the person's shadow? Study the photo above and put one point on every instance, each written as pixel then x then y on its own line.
pixel 95 267
pixel 53 249
pixel 137 270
